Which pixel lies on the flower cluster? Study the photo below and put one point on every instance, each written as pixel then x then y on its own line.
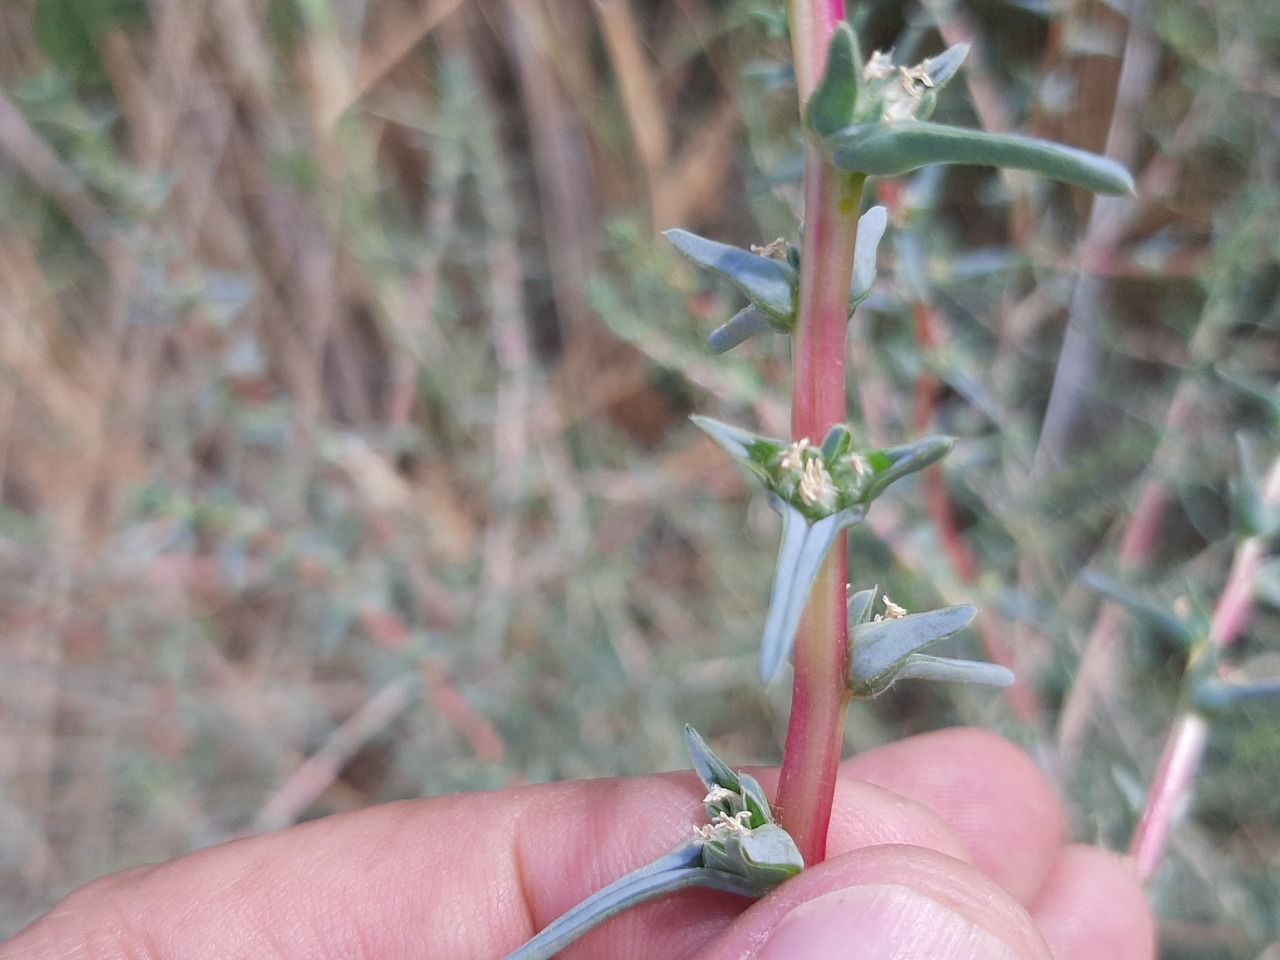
pixel 741 851
pixel 822 481
pixel 819 491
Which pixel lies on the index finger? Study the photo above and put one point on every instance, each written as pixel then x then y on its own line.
pixel 465 876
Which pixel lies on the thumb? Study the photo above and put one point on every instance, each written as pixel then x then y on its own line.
pixel 888 902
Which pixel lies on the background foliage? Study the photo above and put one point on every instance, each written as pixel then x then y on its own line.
pixel 343 384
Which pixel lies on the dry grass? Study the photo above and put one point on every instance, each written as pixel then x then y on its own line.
pixel 342 390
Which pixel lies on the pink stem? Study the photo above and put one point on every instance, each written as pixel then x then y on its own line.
pixel 832 200
pixel 1173 781
pixel 1185 747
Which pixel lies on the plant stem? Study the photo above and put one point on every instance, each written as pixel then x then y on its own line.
pixel 1184 750
pixel 832 201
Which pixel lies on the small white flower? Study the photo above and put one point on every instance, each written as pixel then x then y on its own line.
pixel 774 251
pixel 902 100
pixel 722 825
pixel 900 107
pixel 915 80
pixel 816 488
pixel 878 67
pixel 718 795
pixel 738 823
pixel 793 458
pixel 861 465
pixel 892 611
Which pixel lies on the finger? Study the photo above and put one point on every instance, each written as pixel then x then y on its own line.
pixel 885 903
pixel 1092 906
pixel 676 927
pixel 469 876
pixel 989 791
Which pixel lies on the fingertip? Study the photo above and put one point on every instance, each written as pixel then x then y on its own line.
pixel 990 792
pixel 1091 905
pixel 889 901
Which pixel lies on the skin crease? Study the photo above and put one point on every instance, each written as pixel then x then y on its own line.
pixel 960 815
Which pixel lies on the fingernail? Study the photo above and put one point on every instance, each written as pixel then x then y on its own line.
pixel 880 922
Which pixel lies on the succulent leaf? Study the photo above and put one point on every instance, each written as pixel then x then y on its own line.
pixel 898 462
pixel 713 772
pixel 891 148
pixel 838 443
pixel 833 101
pixel 750 449
pixel 804 546
pixel 860 607
pixel 871 227
pixel 766 854
pixel 1184 631
pixel 1218 697
pixel 880 650
pixel 921 666
pixel 943 67
pixel 743 325
pixel 769 284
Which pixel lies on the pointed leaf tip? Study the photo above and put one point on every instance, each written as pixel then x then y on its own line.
pixel 734 440
pixel 908 459
pixel 944 66
pixel 711 770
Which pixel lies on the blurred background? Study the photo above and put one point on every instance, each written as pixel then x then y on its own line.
pixel 344 382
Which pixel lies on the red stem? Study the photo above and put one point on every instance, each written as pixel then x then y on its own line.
pixel 1185 747
pixel 832 201
pixel 1021 695
pixel 820 698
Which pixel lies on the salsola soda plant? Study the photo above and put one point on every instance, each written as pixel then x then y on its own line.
pixel 864 119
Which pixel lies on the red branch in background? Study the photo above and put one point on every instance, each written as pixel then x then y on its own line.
pixel 1021 695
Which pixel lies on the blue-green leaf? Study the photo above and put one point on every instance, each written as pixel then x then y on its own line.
pixel 870 230
pixel 897 462
pixel 766 856
pixel 1160 617
pixel 804 546
pixel 711 770
pixel 879 650
pixel 860 607
pixel 921 666
pixel 678 870
pixel 744 324
pixel 769 284
pixel 831 105
pixel 1216 697
pixel 937 71
pixel 838 443
pixel 744 446
pixel 943 67
pixel 888 149
pixel 748 859
pixel 754 799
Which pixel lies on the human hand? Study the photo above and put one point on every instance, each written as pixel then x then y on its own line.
pixel 944 846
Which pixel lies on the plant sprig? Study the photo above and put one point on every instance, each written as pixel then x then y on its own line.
pixel 864 119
